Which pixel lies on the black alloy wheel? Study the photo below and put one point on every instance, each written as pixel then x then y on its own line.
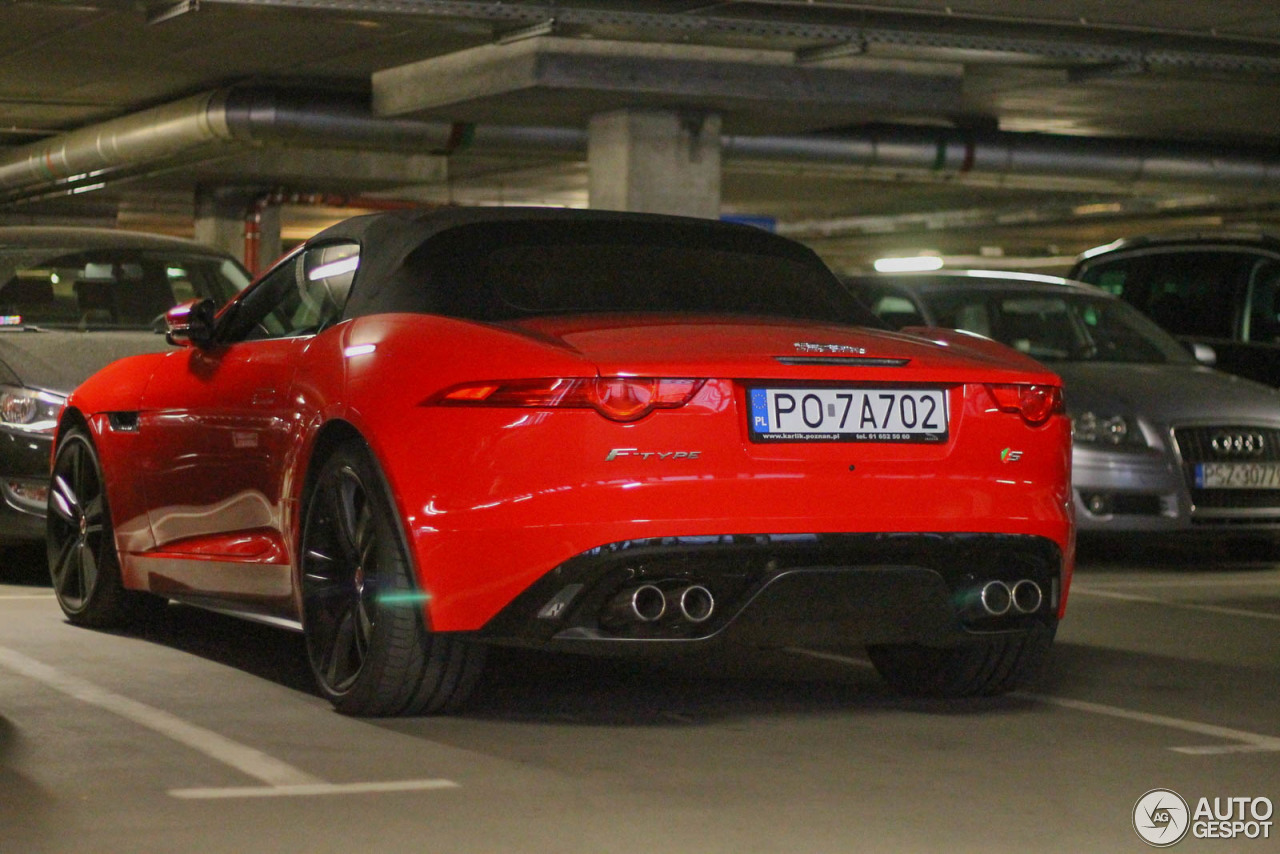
pixel 367 642
pixel 340 578
pixel 83 563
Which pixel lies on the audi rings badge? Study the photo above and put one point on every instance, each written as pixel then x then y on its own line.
pixel 1238 443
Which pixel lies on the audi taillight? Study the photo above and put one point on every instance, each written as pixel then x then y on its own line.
pixel 1035 403
pixel 616 398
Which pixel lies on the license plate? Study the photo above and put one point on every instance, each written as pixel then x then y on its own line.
pixel 1238 476
pixel 848 415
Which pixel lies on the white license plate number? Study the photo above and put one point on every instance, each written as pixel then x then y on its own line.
pixel 1238 476
pixel 848 415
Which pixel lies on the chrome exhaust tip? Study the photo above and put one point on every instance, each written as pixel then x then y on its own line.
pixel 995 598
pixel 1027 596
pixel 641 604
pixel 694 603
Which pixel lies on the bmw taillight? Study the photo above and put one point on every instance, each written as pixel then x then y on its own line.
pixel 616 398
pixel 1035 403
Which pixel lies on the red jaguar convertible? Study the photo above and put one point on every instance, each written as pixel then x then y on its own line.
pixel 423 434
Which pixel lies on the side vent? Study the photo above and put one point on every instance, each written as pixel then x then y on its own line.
pixel 123 422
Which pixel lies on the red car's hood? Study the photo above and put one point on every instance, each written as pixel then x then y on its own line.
pixel 758 347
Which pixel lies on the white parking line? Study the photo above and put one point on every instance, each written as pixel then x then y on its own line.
pixel 1244 742
pixel 313 789
pixel 280 777
pixel 26 595
pixel 1269 580
pixel 1076 590
pixel 247 760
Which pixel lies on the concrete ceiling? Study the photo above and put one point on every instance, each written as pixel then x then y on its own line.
pixel 1166 85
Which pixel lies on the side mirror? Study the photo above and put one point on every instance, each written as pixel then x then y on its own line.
pixel 1204 354
pixel 190 323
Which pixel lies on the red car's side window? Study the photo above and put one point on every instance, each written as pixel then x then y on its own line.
pixel 302 296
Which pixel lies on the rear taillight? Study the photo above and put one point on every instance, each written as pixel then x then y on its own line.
pixel 616 398
pixel 1035 403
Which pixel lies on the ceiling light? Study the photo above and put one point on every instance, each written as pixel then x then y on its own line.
pixel 542 28
pixel 172 10
pixel 822 53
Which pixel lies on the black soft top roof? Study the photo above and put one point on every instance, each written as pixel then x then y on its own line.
pixel 388 238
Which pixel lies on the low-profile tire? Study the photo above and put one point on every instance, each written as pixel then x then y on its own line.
pixel 981 667
pixel 84 566
pixel 363 614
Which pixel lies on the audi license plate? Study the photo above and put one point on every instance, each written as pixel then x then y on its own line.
pixel 1238 476
pixel 848 415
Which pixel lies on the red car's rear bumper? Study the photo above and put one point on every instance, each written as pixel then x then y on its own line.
pixel 506 500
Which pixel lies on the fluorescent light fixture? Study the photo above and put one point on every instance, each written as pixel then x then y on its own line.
pixel 909 264
pixel 359 350
pixel 821 53
pixel 542 28
pixel 173 10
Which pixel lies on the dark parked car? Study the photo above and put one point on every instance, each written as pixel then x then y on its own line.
pixel 1162 443
pixel 72 300
pixel 1216 289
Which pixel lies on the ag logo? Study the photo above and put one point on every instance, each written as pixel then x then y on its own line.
pixel 1161 818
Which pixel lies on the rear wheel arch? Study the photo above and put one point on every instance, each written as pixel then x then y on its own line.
pixel 370 654
pixel 331 436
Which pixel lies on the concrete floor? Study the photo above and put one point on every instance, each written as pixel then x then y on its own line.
pixel 204 735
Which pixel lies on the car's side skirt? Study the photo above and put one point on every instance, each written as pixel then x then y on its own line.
pixel 264 589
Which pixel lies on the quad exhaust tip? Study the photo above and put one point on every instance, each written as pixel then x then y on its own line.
pixel 1027 596
pixel 649 603
pixel 998 598
pixel 644 603
pixel 694 603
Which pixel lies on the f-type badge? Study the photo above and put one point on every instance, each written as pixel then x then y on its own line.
pixel 1009 455
pixel 619 453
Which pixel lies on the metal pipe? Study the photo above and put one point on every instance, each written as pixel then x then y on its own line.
pixel 209 125
pixel 81 157
pixel 948 151
pixel 214 123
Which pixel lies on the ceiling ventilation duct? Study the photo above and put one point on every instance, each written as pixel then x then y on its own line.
pixel 219 123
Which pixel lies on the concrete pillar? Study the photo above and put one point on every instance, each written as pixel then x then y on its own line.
pixel 220 219
pixel 270 244
pixel 655 161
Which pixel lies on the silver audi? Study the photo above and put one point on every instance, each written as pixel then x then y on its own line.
pixel 1163 442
